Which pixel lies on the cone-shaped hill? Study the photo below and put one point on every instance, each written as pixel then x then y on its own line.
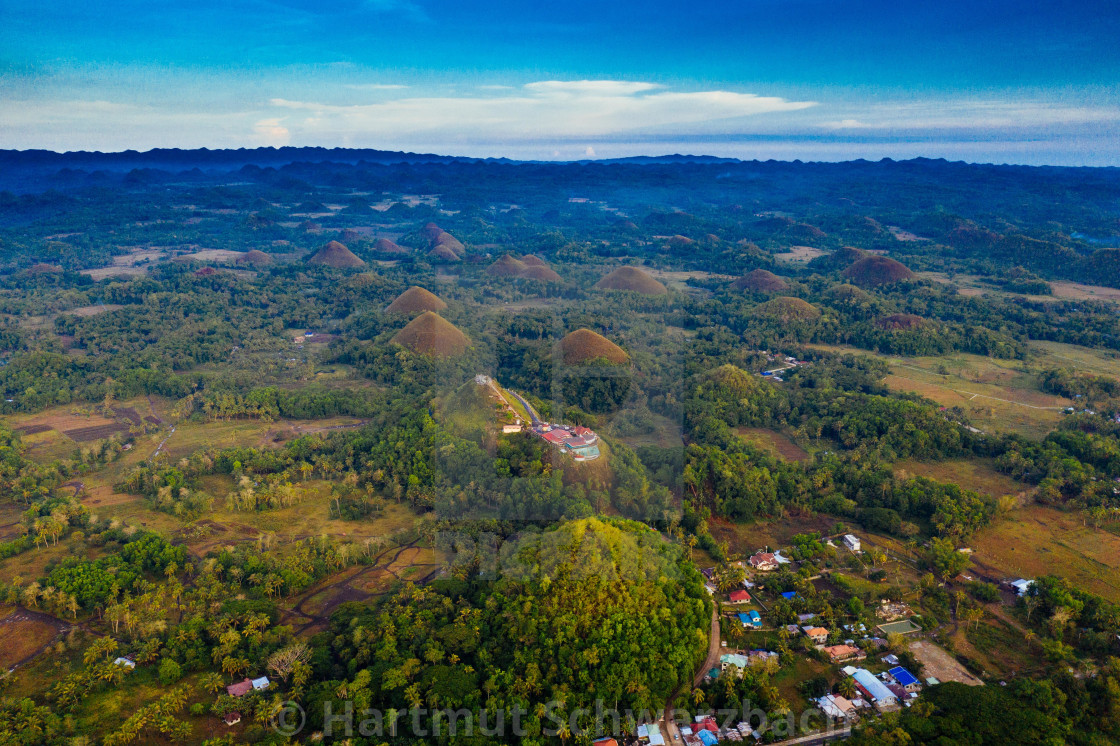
pixel 900 322
pixel 761 281
pixel 787 309
pixel 385 246
pixel 255 257
pixel 431 334
pixel 443 254
pixel 633 279
pixel 848 295
pixel 584 345
pixel 450 242
pixel 532 260
pixel 839 259
pixel 877 270
pixel 431 232
pixel 543 274
pixel 415 300
pixel 507 266
pixel 334 254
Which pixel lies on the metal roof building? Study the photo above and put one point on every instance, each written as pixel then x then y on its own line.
pixel 878 691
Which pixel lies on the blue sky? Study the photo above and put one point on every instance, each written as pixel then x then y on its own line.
pixel 1023 82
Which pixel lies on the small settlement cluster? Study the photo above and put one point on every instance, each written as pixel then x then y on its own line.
pixel 761 605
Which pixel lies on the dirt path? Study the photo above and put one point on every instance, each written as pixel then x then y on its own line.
pixel 346 589
pixel 668 723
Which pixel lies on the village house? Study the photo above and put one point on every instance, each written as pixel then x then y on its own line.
pixel 818 635
pixel 751 619
pixel 126 662
pixel 739 597
pixel 232 718
pixel 763 562
pixel 851 541
pixel 241 688
pixel 843 653
pixel 836 707
pixel 908 681
pixel 873 690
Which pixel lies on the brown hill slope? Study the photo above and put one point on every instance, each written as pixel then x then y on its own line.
pixel 386 246
pixel 877 270
pixel 787 309
pixel 334 254
pixel 532 260
pixel 544 274
pixel 900 321
pixel 443 253
pixel 761 281
pixel 449 241
pixel 507 266
pixel 416 299
pixel 633 279
pixel 431 334
pixel 583 345
pixel 256 258
pixel 431 232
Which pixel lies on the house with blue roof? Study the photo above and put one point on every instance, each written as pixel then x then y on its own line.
pixel 789 595
pixel 751 619
pixel 905 679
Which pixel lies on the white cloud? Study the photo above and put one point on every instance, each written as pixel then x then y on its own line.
pixel 376 86
pixel 590 152
pixel 590 87
pixel 272 132
pixel 542 109
pixel 974 115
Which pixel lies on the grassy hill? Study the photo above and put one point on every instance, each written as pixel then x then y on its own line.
pixel 431 334
pixel 787 309
pixel 632 279
pixel 877 270
pixel 334 254
pixel 414 300
pixel 761 281
pixel 584 345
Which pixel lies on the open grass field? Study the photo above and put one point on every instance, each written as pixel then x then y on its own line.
pixel 997 646
pixel 679 280
pixel 22 635
pixel 940 665
pixel 95 310
pixel 776 443
pixel 799 254
pixel 747 538
pixel 1076 291
pixel 997 395
pixel 1059 355
pixel 975 474
pixel 1039 540
pixel 210 255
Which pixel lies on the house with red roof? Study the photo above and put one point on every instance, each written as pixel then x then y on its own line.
pixel 739 597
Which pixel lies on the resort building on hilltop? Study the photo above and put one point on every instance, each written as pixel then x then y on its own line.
pixel 581 443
